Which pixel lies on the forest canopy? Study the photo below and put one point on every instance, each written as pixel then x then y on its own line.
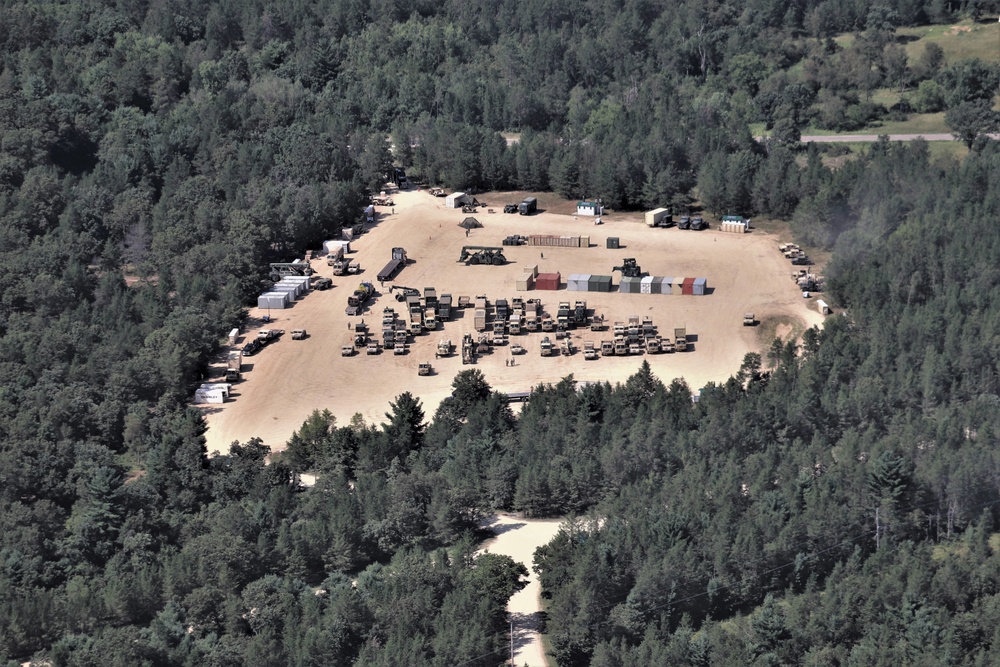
pixel 833 503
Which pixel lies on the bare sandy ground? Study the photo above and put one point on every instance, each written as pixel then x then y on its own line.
pixel 286 381
pixel 518 538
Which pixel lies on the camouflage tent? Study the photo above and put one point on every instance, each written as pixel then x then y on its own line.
pixel 470 223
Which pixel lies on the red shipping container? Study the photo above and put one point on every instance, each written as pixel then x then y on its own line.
pixel 547 281
pixel 687 287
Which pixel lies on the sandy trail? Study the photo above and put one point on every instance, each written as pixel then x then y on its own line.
pixel 518 538
pixel 286 381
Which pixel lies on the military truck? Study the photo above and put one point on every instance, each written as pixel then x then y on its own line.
pixel 403 293
pixel 589 351
pixel 653 345
pixel 528 206
pixel 545 348
pixel 323 284
pixel 399 349
pixel 634 348
pixel 548 324
pixel 517 348
pixel 629 268
pixel 373 347
pixel 347 350
pixel 299 334
pixel 234 366
pixel 597 323
pixel 607 348
pixel 265 336
pixel 621 347
pixel 749 320
pixel 357 300
pixel 424 369
pixel 698 223
pixel 340 267
pixel 567 347
pixel 476 254
pixel 680 339
pixel 444 348
pixel 468 349
pixel 444 307
pixel 580 313
pixel 430 319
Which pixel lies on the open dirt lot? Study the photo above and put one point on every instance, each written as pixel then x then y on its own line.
pixel 286 381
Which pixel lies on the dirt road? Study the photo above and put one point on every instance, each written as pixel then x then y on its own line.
pixel 518 538
pixel 861 138
pixel 287 380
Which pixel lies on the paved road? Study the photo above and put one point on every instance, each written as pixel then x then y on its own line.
pixel 858 138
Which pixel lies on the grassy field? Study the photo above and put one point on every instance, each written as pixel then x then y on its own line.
pixel 958 41
pixel 965 39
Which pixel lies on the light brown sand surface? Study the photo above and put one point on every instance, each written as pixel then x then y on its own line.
pixel 286 381
pixel 518 538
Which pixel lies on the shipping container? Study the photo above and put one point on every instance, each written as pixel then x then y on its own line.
pixel 613 243
pixel 676 287
pixel 603 283
pixel 532 269
pixel 699 286
pixel 525 282
pixel 584 241
pixel 687 287
pixel 630 285
pixel 646 285
pixel 548 281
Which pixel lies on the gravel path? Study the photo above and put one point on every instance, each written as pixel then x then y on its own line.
pixel 858 138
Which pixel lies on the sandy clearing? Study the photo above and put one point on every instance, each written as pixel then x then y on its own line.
pixel 285 382
pixel 518 538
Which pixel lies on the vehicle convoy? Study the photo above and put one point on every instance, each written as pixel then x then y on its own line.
pixel 474 254
pixel 357 300
pixel 234 366
pixel 528 206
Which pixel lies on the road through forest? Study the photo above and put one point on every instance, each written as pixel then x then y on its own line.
pixel 861 138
